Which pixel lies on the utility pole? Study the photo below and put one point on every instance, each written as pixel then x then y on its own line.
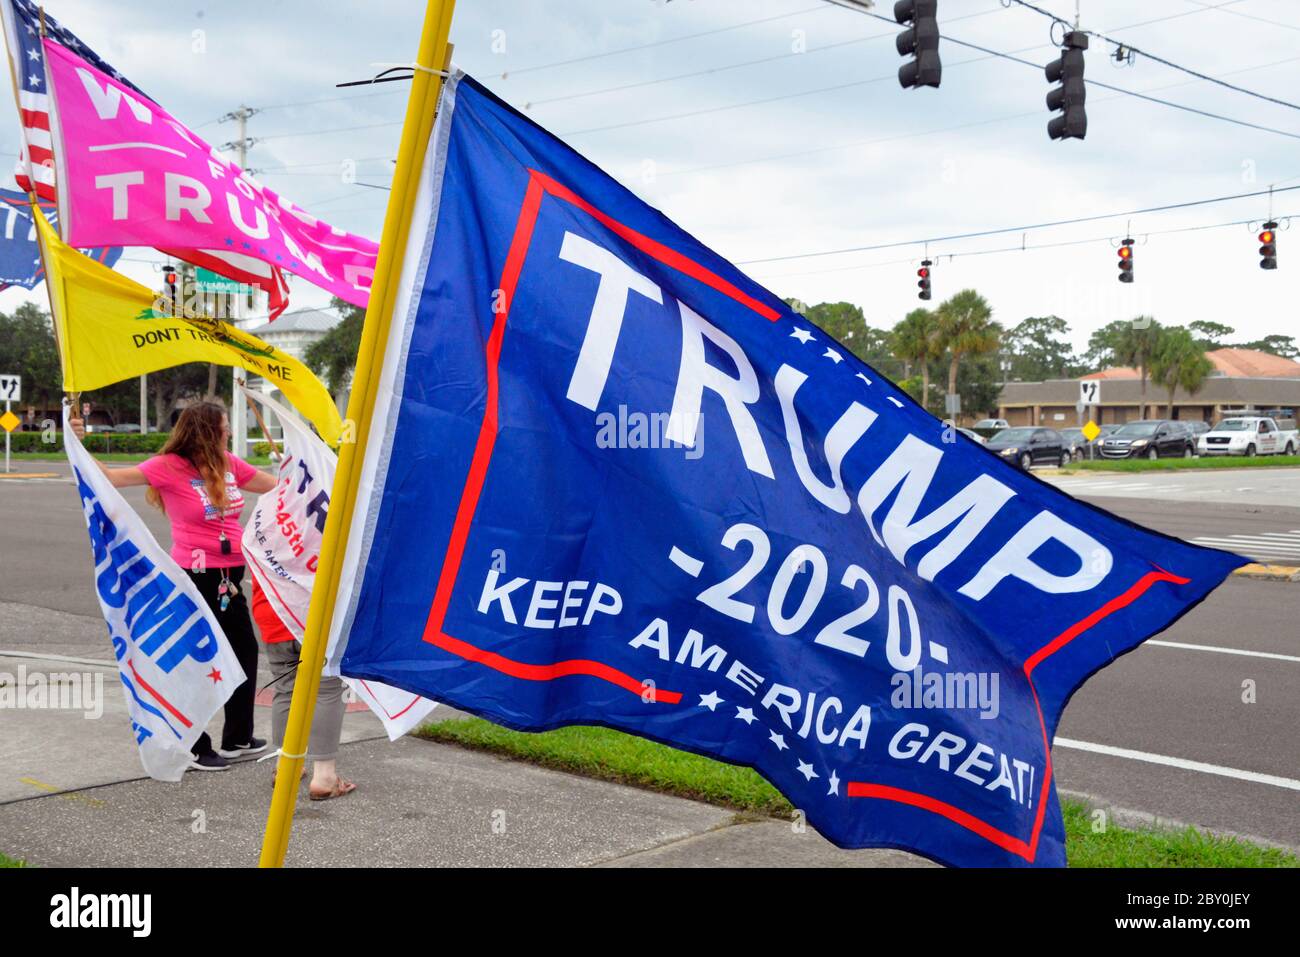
pixel 238 413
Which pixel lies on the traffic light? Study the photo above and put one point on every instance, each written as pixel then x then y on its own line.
pixel 921 41
pixel 1268 249
pixel 1126 261
pixel 1069 97
pixel 924 284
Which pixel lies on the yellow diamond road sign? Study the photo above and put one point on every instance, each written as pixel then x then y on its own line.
pixel 10 421
pixel 1091 431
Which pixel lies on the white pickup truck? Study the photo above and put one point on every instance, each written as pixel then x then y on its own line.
pixel 1250 435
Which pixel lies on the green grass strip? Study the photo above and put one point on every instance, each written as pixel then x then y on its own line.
pixel 614 756
pixel 7 861
pixel 1204 462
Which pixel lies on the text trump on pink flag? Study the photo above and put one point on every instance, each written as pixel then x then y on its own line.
pixel 130 171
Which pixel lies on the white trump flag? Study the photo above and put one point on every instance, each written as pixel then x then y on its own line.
pixel 176 666
pixel 282 546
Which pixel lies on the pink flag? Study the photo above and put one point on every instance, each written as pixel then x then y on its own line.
pixel 131 175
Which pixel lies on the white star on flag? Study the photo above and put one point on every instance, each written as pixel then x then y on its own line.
pixel 710 701
pixel 746 715
pixel 833 356
pixel 803 335
pixel 807 771
pixel 33 55
pixel 835 784
pixel 34 80
pixel 777 740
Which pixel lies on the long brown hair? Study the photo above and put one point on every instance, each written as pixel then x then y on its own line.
pixel 197 438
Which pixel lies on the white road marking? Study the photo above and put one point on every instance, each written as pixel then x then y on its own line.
pixel 1223 651
pixel 1199 766
pixel 1262 545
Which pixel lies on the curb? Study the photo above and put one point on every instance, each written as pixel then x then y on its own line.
pixel 1274 573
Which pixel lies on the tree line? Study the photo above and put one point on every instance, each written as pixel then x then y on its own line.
pixel 974 355
pixel 27 348
pixel 958 341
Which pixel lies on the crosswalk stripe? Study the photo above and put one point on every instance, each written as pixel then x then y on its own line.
pixel 1247 546
pixel 1261 545
pixel 1248 540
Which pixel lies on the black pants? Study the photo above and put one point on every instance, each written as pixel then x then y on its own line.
pixel 238 626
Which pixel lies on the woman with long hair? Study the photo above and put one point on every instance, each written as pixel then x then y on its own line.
pixel 197 482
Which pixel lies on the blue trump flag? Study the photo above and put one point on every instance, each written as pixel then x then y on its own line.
pixel 20 258
pixel 622 484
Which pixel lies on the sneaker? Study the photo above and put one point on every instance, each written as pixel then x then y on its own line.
pixel 208 762
pixel 253 746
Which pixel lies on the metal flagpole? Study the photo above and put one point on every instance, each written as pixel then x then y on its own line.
pixel 261 422
pixel 421 107
pixel 10 27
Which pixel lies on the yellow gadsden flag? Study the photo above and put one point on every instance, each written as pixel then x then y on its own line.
pixel 109 329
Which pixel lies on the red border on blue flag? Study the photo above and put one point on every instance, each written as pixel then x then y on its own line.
pixel 539 186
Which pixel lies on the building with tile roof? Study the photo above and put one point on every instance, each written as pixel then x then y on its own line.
pixel 1242 380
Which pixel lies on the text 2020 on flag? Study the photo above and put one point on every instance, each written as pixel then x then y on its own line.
pixel 811 575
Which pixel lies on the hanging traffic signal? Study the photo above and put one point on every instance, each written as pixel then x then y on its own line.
pixel 1268 247
pixel 1126 261
pixel 921 41
pixel 1069 97
pixel 924 284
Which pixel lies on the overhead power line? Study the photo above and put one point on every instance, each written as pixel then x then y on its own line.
pixel 1108 86
pixel 735 66
pixel 1161 60
pixel 341 129
pixel 1134 93
pixel 930 132
pixel 989 53
pixel 1022 248
pixel 1019 229
pixel 658 43
pixel 1245 16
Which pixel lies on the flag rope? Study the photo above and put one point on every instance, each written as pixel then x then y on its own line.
pixel 421 109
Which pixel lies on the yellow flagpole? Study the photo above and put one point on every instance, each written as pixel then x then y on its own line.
pixel 426 86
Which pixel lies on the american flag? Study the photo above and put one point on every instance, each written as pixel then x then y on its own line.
pixel 22 23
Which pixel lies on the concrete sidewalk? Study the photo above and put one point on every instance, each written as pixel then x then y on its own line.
pixel 417 804
pixel 72 793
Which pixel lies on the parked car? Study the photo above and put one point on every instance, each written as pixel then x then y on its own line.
pixel 973 436
pixel 992 424
pixel 1149 439
pixel 1029 446
pixel 1076 442
pixel 1250 435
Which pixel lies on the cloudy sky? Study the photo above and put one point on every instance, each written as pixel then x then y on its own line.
pixel 774 129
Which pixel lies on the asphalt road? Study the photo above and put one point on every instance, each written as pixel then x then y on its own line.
pixel 1254 512
pixel 1199 725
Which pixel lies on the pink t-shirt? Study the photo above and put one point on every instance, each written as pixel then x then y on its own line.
pixel 197 524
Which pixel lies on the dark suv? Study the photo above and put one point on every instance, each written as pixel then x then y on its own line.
pixel 1030 446
pixel 1149 439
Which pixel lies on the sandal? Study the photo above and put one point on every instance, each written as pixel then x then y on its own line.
pixel 341 788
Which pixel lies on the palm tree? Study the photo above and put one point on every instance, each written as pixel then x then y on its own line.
pixel 1137 346
pixel 916 339
pixel 1179 361
pixel 966 327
